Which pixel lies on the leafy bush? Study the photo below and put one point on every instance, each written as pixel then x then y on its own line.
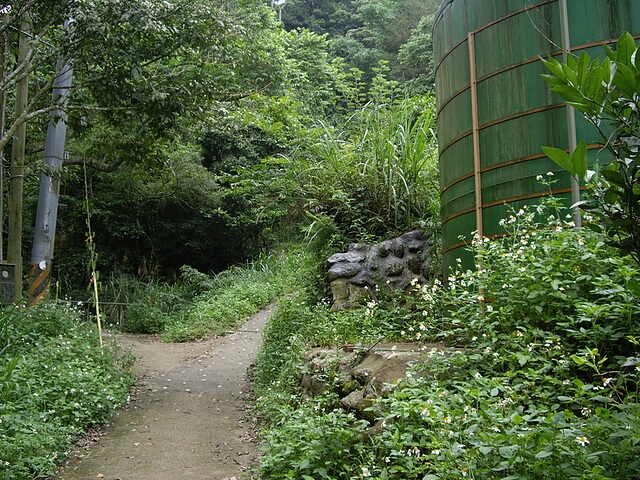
pixel 374 177
pixel 540 381
pixel 314 442
pixel 546 384
pixel 55 382
pixel 606 91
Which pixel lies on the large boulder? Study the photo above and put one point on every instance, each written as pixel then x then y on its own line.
pixel 354 276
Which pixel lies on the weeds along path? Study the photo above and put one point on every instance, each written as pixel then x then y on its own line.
pixel 188 420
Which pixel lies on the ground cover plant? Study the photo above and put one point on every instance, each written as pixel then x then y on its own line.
pixel 55 382
pixel 198 305
pixel 541 380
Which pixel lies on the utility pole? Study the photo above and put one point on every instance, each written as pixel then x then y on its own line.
pixel 14 243
pixel 46 216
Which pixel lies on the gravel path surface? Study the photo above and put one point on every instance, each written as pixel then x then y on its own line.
pixel 188 421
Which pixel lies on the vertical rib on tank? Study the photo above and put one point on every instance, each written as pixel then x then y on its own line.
pixel 495 111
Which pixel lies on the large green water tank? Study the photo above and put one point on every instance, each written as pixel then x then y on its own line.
pixel 495 111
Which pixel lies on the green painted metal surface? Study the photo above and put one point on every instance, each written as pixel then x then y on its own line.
pixel 517 112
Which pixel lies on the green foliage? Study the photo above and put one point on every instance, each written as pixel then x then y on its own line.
pixel 233 295
pixel 144 306
pixel 397 32
pixel 549 278
pixel 541 390
pixel 377 176
pixel 540 380
pixel 54 384
pixel 416 68
pixel 148 221
pixel 606 92
pixel 315 442
pixel 299 323
pixel 198 305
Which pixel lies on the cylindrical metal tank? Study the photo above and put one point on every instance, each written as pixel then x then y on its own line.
pixel 495 110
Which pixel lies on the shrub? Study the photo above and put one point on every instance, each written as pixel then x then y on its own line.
pixel 545 385
pixel 55 382
pixel 313 442
pixel 540 381
pixel 606 92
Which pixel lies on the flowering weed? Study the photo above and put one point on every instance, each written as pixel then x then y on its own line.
pixel 54 383
pixel 545 385
pixel 541 379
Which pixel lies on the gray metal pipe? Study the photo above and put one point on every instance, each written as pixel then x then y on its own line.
pixel 571 113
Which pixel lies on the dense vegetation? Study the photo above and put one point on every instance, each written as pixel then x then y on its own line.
pixel 56 381
pixel 540 379
pixel 218 155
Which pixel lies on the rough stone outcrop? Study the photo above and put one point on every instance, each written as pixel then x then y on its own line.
pixel 359 375
pixel 354 276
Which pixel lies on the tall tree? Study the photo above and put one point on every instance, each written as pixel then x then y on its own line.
pixel 144 68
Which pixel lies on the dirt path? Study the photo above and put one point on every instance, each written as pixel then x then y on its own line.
pixel 188 421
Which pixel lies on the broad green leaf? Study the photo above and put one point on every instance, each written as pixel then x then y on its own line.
pixel 570 73
pixel 561 157
pixel 625 48
pixel 485 450
pixel 611 196
pixel 578 360
pixel 543 454
pixel 593 84
pixel 611 54
pixel 555 68
pixel 582 68
pixel 579 160
pixel 625 80
pixel 522 358
pixel 633 286
pixel 613 176
pixel 567 92
pixel 552 80
pixel 508 452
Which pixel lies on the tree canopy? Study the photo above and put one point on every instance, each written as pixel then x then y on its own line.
pixel 188 120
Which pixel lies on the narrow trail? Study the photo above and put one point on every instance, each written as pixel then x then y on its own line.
pixel 188 421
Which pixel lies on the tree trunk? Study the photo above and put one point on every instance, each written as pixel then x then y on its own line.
pixel 14 243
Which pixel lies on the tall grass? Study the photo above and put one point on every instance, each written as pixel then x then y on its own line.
pixel 376 176
pixel 236 293
pixel 144 306
pixel 199 305
pixel 397 149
